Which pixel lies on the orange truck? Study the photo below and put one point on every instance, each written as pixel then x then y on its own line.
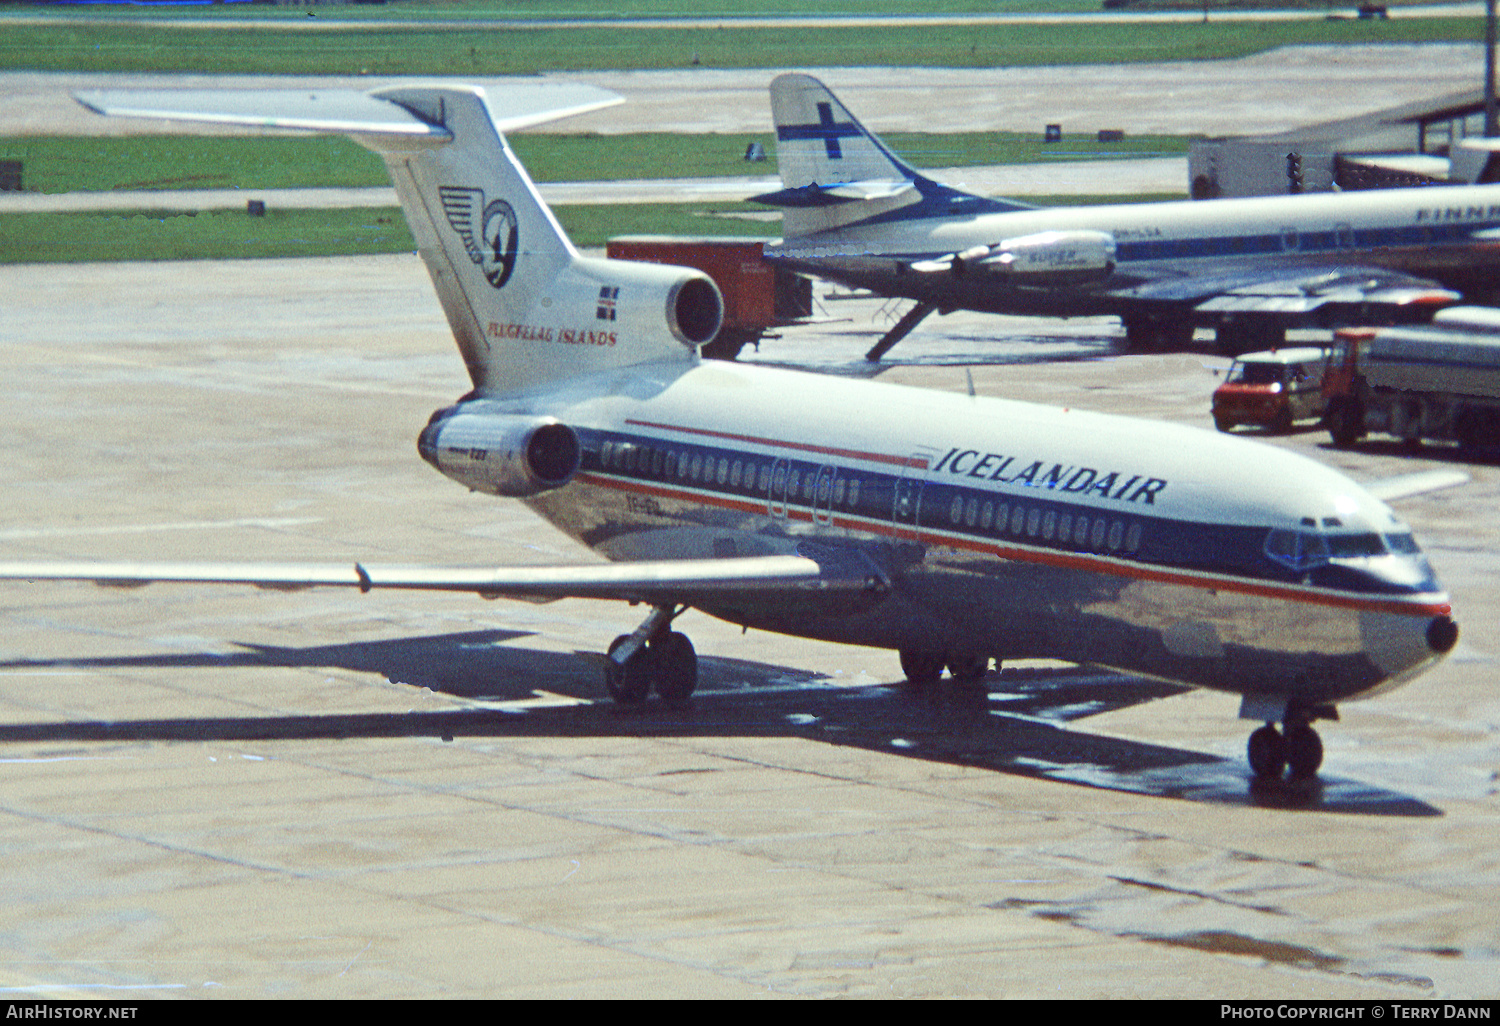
pixel 1439 381
pixel 1273 390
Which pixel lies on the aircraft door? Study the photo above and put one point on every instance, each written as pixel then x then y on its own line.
pixel 906 505
pixel 776 496
pixel 822 508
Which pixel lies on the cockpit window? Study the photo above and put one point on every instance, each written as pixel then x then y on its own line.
pixel 1303 550
pixel 1299 550
pixel 1402 544
pixel 1352 546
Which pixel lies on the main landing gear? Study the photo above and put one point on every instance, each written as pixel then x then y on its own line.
pixel 653 658
pixel 1296 754
pixel 923 668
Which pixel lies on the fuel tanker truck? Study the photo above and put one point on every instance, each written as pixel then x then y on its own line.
pixel 1438 381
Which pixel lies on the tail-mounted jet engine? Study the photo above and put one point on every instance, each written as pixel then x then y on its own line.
pixel 1041 258
pixel 695 310
pixel 635 300
pixel 501 453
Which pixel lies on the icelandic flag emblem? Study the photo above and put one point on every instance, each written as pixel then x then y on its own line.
pixel 607 297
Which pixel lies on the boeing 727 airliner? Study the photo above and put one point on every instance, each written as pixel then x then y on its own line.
pixel 854 212
pixel 954 532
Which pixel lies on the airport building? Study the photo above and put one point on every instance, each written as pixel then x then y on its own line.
pixel 1433 142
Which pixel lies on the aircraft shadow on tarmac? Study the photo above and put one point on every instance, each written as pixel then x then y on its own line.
pixel 1019 721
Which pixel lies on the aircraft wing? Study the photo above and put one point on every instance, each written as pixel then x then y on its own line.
pixel 1404 486
pixel 1290 290
pixel 658 582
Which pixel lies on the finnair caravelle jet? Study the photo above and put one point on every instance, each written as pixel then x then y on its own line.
pixel 954 531
pixel 854 213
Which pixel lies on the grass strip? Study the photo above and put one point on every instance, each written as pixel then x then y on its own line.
pixel 389 48
pixel 233 234
pixel 61 164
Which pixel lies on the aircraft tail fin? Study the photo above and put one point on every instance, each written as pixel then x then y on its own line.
pixel 836 172
pixel 819 142
pixel 525 308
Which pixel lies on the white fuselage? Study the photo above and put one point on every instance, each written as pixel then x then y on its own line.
pixel 1006 529
pixel 1431 233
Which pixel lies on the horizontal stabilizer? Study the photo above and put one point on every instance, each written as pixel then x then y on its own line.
pixel 828 195
pixel 518 104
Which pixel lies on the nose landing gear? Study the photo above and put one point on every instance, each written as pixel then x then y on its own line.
pixel 1297 753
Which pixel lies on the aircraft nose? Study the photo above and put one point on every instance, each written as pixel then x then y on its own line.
pixel 1442 635
pixel 427 441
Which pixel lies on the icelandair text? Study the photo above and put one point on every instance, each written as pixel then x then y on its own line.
pixel 989 466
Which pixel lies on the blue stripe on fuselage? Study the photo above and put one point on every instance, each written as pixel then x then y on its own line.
pixel 1041 518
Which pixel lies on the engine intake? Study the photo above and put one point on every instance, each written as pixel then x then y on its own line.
pixel 695 310
pixel 501 453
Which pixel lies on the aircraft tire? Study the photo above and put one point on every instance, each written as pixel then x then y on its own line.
pixel 1237 338
pixel 1152 334
pixel 631 683
pixel 969 669
pixel 922 667
pixel 1267 751
pixel 1304 752
pixel 1477 429
pixel 1346 423
pixel 676 676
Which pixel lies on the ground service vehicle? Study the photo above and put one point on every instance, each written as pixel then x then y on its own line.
pixel 757 295
pixel 1273 390
pixel 1439 381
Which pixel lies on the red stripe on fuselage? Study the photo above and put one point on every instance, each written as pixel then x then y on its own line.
pixel 1045 557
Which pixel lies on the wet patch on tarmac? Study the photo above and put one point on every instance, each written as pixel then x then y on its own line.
pixel 1019 721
